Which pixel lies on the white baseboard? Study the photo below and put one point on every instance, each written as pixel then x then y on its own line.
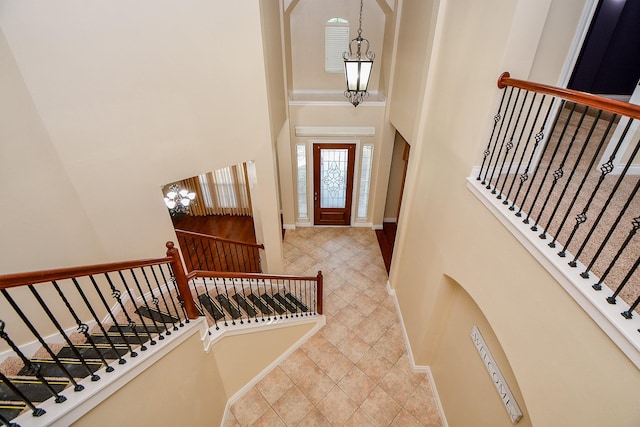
pixel 417 368
pixel 390 220
pixel 320 322
pixel 289 226
pixel 377 227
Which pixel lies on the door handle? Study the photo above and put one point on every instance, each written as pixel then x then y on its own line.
pixel 315 196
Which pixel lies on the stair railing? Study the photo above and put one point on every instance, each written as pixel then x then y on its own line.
pixel 564 165
pixel 83 319
pixel 228 299
pixel 211 253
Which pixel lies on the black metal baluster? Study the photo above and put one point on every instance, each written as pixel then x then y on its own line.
pixel 264 287
pixel 83 328
pixel 487 150
pixel 33 368
pixel 5 422
pixel 635 225
pixel 164 300
pixel 525 123
pixel 559 173
pixel 193 253
pixel 146 304
pixel 171 298
pixel 95 317
pixel 245 257
pixel 539 137
pixel 226 291
pixel 235 291
pixel 236 264
pixel 36 334
pixel 218 257
pixel 135 307
pixel 612 298
pixel 553 157
pixel 215 284
pixel 156 303
pixel 36 412
pixel 178 296
pixel 113 319
pixel 508 146
pixel 115 293
pixel 573 263
pixel 629 313
pixel 584 179
pixel 605 169
pixel 493 152
pixel 60 329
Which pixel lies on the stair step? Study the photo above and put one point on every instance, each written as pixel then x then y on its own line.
pixel 140 329
pixel 116 338
pixel 211 306
pixel 228 305
pixel 88 352
pixel 158 316
pixel 282 300
pixel 242 302
pixel 32 388
pixel 257 301
pixel 11 410
pixel 296 302
pixel 48 368
pixel 273 303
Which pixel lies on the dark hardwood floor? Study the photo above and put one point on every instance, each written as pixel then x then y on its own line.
pixel 386 239
pixel 232 227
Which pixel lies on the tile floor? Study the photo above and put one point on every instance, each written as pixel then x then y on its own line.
pixel 355 370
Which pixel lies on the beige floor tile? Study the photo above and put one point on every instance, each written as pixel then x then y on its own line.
pixel 371 329
pixel 365 305
pixel 405 366
pixel 337 407
pixel 297 365
pixel 316 385
pixel 315 419
pixel 349 317
pixel 274 385
pixel 360 419
pixel 230 421
pixel 374 365
pixel 249 407
pixel 353 347
pixel 269 419
pixel 405 419
pixel 398 385
pixel 390 346
pixel 423 406
pixel 316 346
pixel 334 332
pixel 293 406
pixel 335 366
pixel 380 406
pixel 357 385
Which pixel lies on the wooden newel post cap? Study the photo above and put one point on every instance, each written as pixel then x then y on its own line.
pixel 170 248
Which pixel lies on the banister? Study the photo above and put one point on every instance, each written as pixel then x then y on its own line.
pixel 182 282
pixel 219 239
pixel 29 278
pixel 232 275
pixel 595 101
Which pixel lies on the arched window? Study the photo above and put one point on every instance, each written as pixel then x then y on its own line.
pixel 336 41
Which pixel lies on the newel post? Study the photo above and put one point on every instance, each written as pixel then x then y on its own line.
pixel 181 281
pixel 320 293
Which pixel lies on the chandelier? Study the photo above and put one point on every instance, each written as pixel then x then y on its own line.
pixel 178 200
pixel 357 68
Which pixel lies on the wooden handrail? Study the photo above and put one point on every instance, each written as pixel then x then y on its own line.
pixel 30 278
pixel 219 239
pixel 181 281
pixel 595 101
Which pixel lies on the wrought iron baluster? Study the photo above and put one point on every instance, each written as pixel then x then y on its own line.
pixel 171 298
pixel 487 150
pixel 83 328
pixel 178 296
pixel 33 368
pixel 605 169
pixel 635 225
pixel 264 287
pixel 215 284
pixel 236 264
pixel 146 304
pixel 629 313
pixel 132 325
pixel 113 319
pixel 156 303
pixel 539 137
pixel 36 334
pixel 117 295
pixel 548 168
pixel 559 173
pixel 507 147
pixel 36 412
pixel 495 145
pixel 226 291
pixel 612 298
pixel 164 300
pixel 218 257
pixel 584 177
pixel 573 263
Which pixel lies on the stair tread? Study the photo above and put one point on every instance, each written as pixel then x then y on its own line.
pixel 11 410
pixel 157 315
pixel 296 301
pixel 257 301
pixel 242 302
pixel 32 388
pixel 227 305
pixel 210 305
pixel 49 368
pixel 140 328
pixel 273 303
pixel 282 300
pixel 88 352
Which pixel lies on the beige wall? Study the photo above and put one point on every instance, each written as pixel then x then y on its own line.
pixel 568 370
pixel 132 101
pixel 307 23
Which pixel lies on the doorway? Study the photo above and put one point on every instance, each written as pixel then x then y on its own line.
pixel 333 166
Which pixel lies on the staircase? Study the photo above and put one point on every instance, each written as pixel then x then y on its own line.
pixel 153 300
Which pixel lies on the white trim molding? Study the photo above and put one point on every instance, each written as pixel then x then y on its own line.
pixel 335 131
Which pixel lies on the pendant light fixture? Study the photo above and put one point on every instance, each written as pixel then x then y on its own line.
pixel 357 67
